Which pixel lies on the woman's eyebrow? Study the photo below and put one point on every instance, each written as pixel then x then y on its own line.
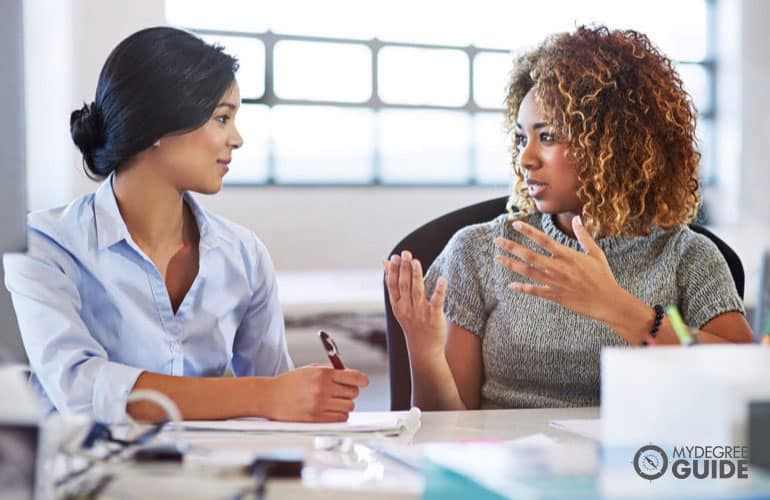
pixel 227 105
pixel 536 126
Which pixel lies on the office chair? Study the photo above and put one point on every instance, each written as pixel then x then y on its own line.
pixel 426 243
pixel 763 301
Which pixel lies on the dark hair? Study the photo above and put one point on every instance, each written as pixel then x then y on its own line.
pixel 155 82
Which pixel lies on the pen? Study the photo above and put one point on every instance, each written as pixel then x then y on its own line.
pixel 331 350
pixel 679 327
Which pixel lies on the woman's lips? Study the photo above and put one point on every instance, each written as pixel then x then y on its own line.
pixel 536 189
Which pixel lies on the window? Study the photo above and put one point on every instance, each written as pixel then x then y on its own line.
pixel 348 92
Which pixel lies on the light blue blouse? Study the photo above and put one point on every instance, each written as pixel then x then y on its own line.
pixel 94 311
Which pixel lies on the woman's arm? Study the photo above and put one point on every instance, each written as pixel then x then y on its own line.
pixel 632 319
pixel 584 283
pixel 310 394
pixel 446 367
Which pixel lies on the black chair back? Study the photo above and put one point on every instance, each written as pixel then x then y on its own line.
pixel 426 243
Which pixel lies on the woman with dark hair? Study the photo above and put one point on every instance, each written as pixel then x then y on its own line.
pixel 136 286
pixel 606 179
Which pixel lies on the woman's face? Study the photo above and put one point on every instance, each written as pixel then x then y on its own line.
pixel 198 160
pixel 550 175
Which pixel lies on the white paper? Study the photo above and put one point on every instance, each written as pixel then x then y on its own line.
pixel 387 422
pixel 587 427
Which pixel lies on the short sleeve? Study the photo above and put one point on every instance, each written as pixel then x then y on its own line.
pixel 706 286
pixel 465 263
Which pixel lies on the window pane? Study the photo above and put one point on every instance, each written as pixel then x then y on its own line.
pixel 250 162
pixel 705 133
pixel 696 83
pixel 319 144
pixel 423 76
pixel 230 15
pixel 323 71
pixel 251 57
pixel 424 146
pixel 490 75
pixel 329 18
pixel 493 156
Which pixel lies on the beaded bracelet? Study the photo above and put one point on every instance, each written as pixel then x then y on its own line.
pixel 658 320
pixel 655 326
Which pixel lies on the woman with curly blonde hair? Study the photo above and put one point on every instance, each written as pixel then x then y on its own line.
pixel 595 241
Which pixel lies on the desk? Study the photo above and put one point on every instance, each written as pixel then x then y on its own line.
pixel 386 480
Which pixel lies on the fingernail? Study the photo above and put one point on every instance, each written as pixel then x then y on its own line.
pixel 394 258
pixel 517 225
pixel 578 220
pixel 404 255
pixel 415 264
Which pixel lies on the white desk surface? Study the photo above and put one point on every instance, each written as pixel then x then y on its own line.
pixel 331 291
pixel 334 475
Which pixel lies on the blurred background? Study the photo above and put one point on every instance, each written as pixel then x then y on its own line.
pixel 362 120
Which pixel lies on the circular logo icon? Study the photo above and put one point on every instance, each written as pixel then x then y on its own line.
pixel 650 462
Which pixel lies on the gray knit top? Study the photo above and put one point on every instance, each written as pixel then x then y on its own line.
pixel 537 353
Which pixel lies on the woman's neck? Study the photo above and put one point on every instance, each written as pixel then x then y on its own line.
pixel 153 210
pixel 564 223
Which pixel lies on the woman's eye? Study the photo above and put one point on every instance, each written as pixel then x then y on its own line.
pixel 520 140
pixel 222 119
pixel 546 137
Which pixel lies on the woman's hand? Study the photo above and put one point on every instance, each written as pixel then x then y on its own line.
pixel 422 320
pixel 315 394
pixel 581 282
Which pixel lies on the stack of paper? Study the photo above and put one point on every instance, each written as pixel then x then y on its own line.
pixel 381 423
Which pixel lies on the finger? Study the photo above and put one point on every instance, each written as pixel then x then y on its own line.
pixel 541 239
pixel 584 237
pixel 405 276
pixel 437 300
pixel 524 269
pixel 535 290
pixel 350 377
pixel 526 254
pixel 338 405
pixel 392 279
pixel 418 287
pixel 345 391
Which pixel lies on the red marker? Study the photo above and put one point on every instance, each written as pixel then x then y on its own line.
pixel 331 350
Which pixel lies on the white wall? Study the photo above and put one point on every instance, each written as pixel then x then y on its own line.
pixel 354 227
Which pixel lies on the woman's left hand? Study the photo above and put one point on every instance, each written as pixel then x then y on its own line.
pixel 581 282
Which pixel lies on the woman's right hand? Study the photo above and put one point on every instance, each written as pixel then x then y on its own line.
pixel 315 394
pixel 422 320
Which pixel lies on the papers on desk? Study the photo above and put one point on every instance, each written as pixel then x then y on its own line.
pixel 388 423
pixel 588 427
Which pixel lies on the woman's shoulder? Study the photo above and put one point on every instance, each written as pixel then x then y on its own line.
pixel 66 222
pixel 479 238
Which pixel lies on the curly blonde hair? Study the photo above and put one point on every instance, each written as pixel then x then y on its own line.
pixel 628 124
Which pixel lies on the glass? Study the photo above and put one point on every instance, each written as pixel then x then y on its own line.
pixel 250 53
pixel 423 76
pixel 422 146
pixel 490 77
pixel 493 152
pixel 229 15
pixel 696 83
pixel 323 71
pixel 323 145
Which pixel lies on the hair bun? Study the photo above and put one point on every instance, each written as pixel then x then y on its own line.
pixel 87 129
